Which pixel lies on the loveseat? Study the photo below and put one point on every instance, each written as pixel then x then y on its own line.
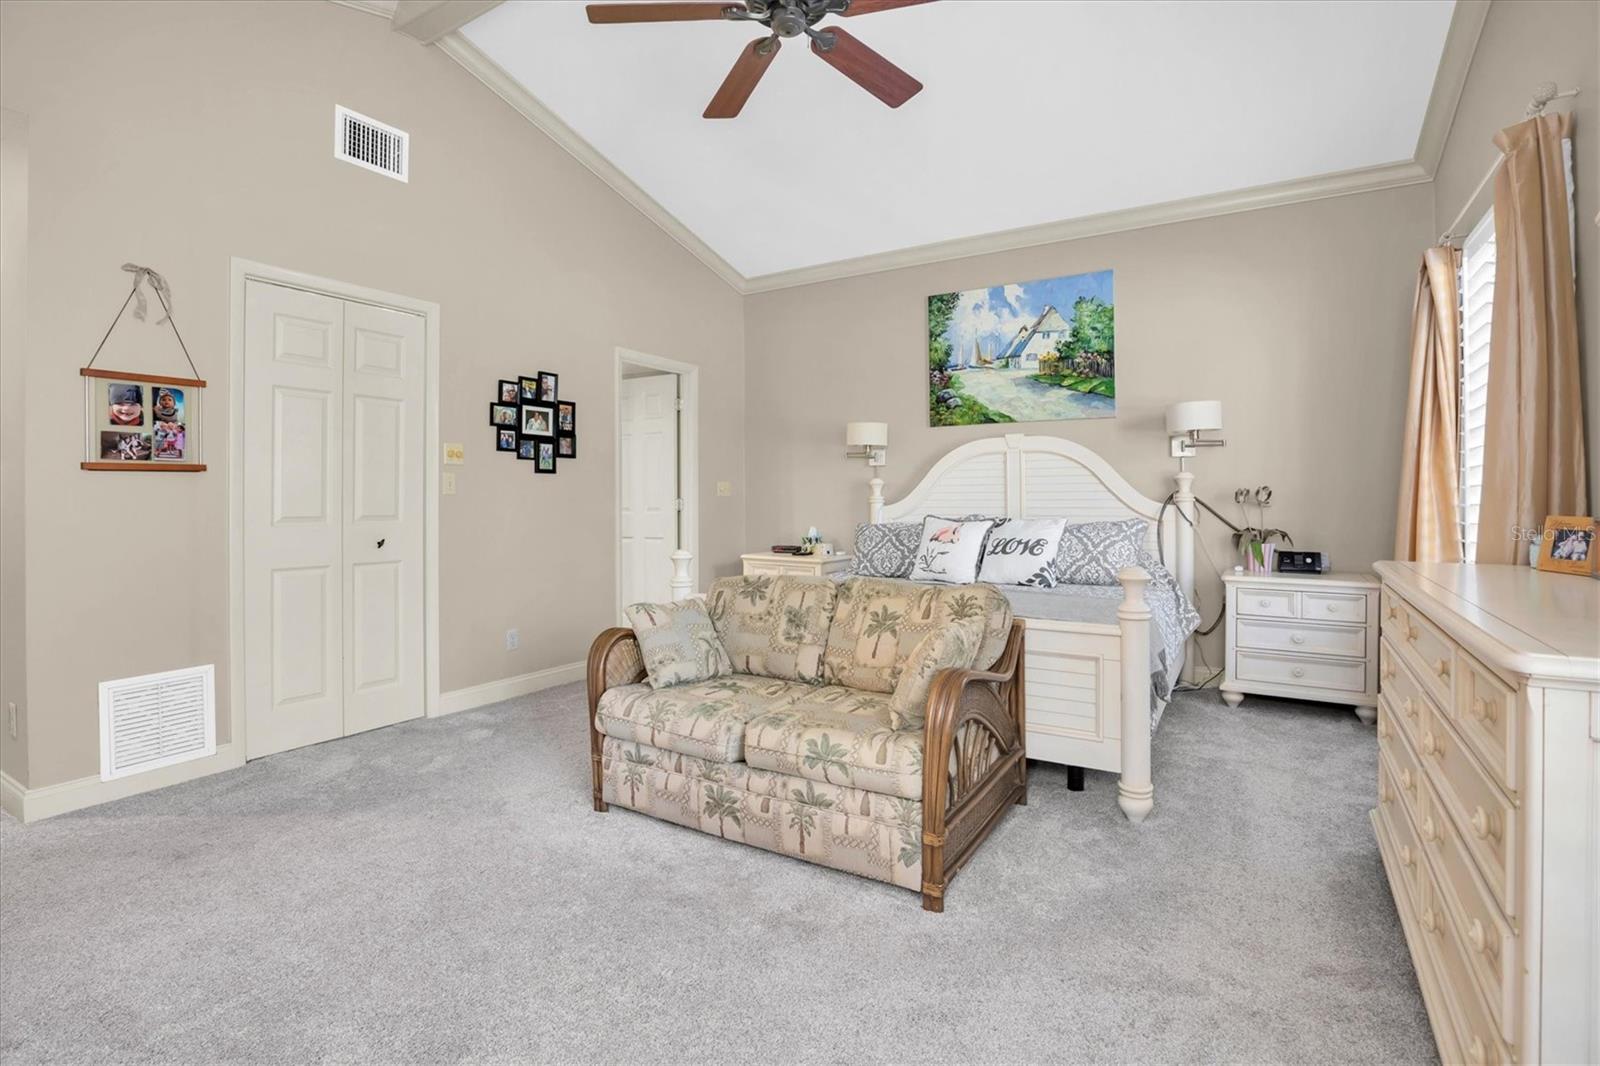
pixel 817 744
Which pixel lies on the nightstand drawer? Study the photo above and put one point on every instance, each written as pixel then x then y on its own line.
pixel 1268 603
pixel 1305 673
pixel 1333 607
pixel 1348 641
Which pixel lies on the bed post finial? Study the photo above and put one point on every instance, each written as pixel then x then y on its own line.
pixel 875 500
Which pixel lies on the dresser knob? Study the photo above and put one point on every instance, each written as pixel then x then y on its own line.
pixel 1481 710
pixel 1429 831
pixel 1482 825
pixel 1476 937
pixel 1388 669
pixel 1406 857
pixel 1392 612
pixel 1442 668
pixel 1475 1051
pixel 1411 635
pixel 1298 671
pixel 1383 729
pixel 1430 746
pixel 1430 919
pixel 1408 706
pixel 1384 795
pixel 1406 778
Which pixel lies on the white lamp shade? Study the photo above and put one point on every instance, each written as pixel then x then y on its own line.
pixel 867 434
pixel 1194 415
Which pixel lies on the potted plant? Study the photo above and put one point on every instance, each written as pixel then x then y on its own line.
pixel 1251 541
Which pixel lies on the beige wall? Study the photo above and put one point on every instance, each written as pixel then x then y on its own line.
pixel 1525 43
pixel 13 583
pixel 180 135
pixel 1296 318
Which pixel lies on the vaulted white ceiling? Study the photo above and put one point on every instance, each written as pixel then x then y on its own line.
pixel 1033 112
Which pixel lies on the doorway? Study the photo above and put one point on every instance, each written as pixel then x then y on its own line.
pixel 657 511
pixel 334 502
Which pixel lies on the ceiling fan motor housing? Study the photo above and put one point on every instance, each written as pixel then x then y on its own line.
pixel 789 21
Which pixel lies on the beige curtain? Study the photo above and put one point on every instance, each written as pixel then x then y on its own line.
pixel 1426 528
pixel 1533 461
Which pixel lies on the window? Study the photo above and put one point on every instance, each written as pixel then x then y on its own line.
pixel 1477 300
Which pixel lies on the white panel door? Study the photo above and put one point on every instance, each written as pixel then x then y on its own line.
pixel 293 502
pixel 383 516
pixel 648 522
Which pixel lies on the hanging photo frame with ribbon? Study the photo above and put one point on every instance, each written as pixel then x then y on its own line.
pixel 136 421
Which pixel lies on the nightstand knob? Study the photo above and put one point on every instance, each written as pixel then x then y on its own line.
pixel 1298 671
pixel 1333 607
pixel 1264 603
pixel 1297 638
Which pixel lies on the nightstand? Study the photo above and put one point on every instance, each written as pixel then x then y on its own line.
pixel 1303 636
pixel 810 565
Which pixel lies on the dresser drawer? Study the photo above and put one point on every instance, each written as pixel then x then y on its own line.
pixel 1404 694
pixel 1402 761
pixel 1306 673
pixel 1349 641
pixel 1429 652
pixel 1333 607
pixel 1489 943
pixel 1485 819
pixel 1476 1034
pixel 1267 603
pixel 1486 715
pixel 1402 834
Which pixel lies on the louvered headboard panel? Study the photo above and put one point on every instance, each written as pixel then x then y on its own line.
pixel 1024 476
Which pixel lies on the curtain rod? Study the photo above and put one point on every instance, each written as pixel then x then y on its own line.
pixel 1541 98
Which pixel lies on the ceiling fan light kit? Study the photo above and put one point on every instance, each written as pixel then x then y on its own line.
pixel 785 18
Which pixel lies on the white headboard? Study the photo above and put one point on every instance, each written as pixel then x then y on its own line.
pixel 1025 476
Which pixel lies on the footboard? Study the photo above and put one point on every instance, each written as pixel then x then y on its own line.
pixel 974 764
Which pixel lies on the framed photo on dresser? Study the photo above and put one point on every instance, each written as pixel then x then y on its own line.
pixel 1567 546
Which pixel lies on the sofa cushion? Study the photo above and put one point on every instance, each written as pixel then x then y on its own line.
pixel 953 646
pixel 705 720
pixel 678 642
pixel 879 622
pixel 774 626
pixel 839 736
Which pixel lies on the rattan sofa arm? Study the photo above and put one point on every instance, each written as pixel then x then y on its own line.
pixel 974 762
pixel 614 660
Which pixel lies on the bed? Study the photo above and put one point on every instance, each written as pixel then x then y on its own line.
pixel 1091 698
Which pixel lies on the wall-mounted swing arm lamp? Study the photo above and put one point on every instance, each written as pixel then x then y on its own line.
pixel 1187 421
pixel 867 440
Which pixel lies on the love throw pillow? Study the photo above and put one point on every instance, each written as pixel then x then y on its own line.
pixel 949 550
pixel 1022 551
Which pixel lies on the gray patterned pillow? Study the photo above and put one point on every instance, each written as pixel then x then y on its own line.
pixel 1091 553
pixel 678 642
pixel 886 549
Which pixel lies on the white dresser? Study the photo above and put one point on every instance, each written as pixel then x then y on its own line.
pixel 1488 815
pixel 1303 636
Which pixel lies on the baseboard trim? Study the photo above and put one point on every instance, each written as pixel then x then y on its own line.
pixel 32 804
pixel 508 688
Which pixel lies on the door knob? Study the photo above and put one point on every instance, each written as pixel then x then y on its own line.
pixel 381 541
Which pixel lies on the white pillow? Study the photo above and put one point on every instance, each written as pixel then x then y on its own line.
pixel 1022 551
pixel 949 550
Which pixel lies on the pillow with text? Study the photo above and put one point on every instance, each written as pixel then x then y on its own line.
pixel 1022 551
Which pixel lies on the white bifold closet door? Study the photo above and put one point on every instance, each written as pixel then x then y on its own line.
pixel 648 522
pixel 333 517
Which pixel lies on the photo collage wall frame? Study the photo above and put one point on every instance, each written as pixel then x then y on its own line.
pixel 531 421
pixel 141 421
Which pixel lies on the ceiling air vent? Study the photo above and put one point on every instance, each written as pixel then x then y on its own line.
pixel 369 143
pixel 157 720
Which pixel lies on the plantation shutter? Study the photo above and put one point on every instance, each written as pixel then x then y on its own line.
pixel 1477 302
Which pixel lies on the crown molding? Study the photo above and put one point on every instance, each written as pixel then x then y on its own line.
pixel 511 91
pixel 429 20
pixel 1460 44
pixel 1302 190
pixel 381 8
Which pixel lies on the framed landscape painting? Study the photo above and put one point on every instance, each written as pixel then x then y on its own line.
pixel 1038 351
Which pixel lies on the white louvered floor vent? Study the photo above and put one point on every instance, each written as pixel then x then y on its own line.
pixel 157 720
pixel 368 143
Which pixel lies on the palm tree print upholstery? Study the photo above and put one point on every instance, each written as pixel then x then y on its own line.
pixel 678 642
pixel 838 736
pixel 879 623
pixel 774 626
pixel 706 720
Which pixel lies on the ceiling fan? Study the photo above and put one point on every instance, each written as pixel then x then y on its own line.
pixel 785 18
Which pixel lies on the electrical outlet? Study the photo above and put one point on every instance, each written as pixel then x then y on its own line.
pixel 511 640
pixel 724 488
pixel 448 484
pixel 11 720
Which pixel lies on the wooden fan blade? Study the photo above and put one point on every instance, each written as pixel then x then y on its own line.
pixel 868 69
pixel 608 14
pixel 867 7
pixel 741 80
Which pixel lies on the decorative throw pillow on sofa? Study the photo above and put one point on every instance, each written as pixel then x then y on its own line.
pixel 886 549
pixel 949 550
pixel 1022 551
pixel 774 626
pixel 1092 552
pixel 678 643
pixel 953 645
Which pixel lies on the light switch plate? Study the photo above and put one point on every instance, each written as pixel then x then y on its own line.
pixel 724 488
pixel 448 484
pixel 455 454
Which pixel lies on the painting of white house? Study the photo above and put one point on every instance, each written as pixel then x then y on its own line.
pixel 1039 351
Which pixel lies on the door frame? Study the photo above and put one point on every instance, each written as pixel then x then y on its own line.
pixel 244 270
pixel 688 460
